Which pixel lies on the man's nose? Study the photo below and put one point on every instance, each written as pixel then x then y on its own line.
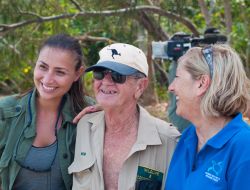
pixel 107 77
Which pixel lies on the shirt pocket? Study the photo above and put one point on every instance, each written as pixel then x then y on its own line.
pixel 148 185
pixel 148 179
pixel 9 112
pixel 82 180
pixel 6 117
pixel 82 174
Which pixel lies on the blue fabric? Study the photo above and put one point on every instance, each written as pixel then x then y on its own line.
pixel 114 66
pixel 33 159
pixel 222 164
pixel 41 158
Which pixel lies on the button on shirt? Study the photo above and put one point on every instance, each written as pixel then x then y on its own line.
pixel 222 164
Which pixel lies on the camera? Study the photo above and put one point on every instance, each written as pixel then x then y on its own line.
pixel 180 42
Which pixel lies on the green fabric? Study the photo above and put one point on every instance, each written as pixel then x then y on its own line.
pixel 17 126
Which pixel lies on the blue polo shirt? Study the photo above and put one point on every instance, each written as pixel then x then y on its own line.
pixel 222 164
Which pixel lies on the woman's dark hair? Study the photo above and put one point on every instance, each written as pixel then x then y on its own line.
pixel 68 43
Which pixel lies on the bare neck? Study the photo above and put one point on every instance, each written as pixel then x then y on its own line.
pixel 207 127
pixel 120 135
pixel 49 106
pixel 121 119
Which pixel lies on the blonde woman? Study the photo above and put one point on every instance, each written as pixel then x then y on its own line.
pixel 212 92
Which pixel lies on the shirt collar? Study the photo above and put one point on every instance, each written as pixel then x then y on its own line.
pixel 67 110
pixel 223 136
pixel 30 115
pixel 190 137
pixel 29 101
pixel 147 131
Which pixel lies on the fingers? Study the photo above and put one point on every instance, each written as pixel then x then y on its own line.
pixel 82 113
pixel 86 110
pixel 97 107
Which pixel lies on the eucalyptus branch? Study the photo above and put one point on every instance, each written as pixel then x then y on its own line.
pixel 149 9
pixel 77 5
pixel 150 2
pixel 12 47
pixel 29 13
pixel 85 38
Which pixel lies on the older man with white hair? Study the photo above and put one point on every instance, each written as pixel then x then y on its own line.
pixel 122 147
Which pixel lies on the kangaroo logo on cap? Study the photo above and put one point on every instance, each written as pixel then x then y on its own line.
pixel 114 52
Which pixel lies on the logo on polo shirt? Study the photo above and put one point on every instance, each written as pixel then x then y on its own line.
pixel 213 172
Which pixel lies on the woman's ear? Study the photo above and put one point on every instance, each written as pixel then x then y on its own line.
pixel 203 84
pixel 142 84
pixel 79 73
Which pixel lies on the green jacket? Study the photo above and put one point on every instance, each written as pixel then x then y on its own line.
pixel 17 132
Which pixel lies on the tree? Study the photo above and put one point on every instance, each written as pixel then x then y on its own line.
pixel 26 23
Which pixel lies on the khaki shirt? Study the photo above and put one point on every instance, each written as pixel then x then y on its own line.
pixel 147 162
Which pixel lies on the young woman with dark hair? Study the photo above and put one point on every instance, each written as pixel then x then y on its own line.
pixel 37 136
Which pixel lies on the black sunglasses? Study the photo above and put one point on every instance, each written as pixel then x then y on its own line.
pixel 116 77
pixel 207 52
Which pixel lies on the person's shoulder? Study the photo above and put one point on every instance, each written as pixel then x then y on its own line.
pixel 91 117
pixel 10 107
pixel 85 124
pixel 238 146
pixel 243 136
pixel 164 128
pixel 8 101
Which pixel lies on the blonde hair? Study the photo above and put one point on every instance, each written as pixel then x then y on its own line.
pixel 229 90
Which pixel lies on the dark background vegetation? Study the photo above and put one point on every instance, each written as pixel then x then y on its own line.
pixel 24 24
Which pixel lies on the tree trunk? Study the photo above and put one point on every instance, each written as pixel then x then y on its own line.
pixel 228 18
pixel 150 97
pixel 205 12
pixel 153 28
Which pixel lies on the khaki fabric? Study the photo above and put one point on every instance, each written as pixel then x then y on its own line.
pixel 153 149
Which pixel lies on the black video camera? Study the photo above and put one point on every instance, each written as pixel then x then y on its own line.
pixel 181 42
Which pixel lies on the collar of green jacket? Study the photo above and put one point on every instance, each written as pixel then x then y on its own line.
pixel 30 115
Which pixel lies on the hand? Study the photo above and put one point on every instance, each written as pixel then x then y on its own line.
pixel 89 109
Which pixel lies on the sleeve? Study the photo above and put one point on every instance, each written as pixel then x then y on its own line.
pixel 240 177
pixel 8 113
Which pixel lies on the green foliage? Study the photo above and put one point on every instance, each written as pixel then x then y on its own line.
pixel 162 92
pixel 19 48
pixel 88 83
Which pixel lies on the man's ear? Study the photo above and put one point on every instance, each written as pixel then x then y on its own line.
pixel 79 73
pixel 142 84
pixel 203 84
